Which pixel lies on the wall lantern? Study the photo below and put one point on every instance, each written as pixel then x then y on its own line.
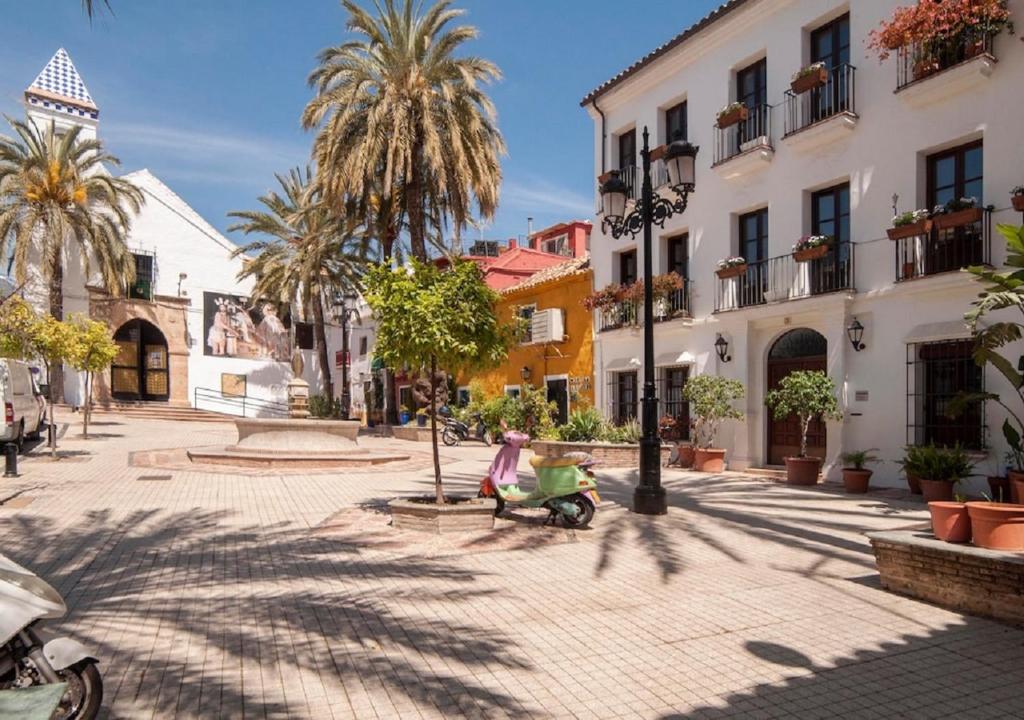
pixel 722 348
pixel 856 332
pixel 680 160
pixel 525 373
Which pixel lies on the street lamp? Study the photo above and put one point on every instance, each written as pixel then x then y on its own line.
pixel 680 160
pixel 856 332
pixel 343 312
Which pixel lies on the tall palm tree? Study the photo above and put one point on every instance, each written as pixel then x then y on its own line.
pixel 55 193
pixel 91 6
pixel 309 252
pixel 397 109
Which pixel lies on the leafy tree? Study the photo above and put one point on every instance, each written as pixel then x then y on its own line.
pixel 400 115
pixel 17 323
pixel 53 342
pixel 92 350
pixel 430 318
pixel 711 400
pixel 56 196
pixel 92 6
pixel 808 394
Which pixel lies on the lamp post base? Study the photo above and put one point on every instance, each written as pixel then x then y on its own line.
pixel 648 500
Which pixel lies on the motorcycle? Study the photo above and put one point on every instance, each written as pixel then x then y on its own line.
pixel 27 660
pixel 565 485
pixel 456 431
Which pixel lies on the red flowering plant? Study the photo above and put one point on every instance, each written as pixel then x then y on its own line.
pixel 929 23
pixel 604 298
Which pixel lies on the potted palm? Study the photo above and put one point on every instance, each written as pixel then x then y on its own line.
pixel 1017 197
pixel 711 399
pixel 856 478
pixel 811 247
pixel 808 394
pixel 911 464
pixel 941 468
pixel 912 223
pixel 808 78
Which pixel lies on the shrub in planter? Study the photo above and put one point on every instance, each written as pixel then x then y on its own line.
pixel 811 247
pixel 856 477
pixel 731 267
pixel 731 114
pixel 583 425
pixel 912 223
pixel 711 399
pixel 808 394
pixel 956 213
pixel 940 469
pixel 1017 197
pixel 911 465
pixel 807 78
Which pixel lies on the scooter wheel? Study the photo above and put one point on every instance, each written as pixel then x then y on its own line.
pixel 449 437
pixel 585 514
pixel 488 440
pixel 84 695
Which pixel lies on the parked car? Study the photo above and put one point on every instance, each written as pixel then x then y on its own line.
pixel 23 409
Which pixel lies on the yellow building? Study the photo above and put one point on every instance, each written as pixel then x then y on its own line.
pixel 557 350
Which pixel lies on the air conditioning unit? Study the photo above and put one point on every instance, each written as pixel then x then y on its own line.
pixel 547 326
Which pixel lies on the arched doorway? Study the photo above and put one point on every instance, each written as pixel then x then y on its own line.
pixel 140 369
pixel 800 349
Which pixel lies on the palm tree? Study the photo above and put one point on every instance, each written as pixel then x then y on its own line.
pixel 91 7
pixel 398 110
pixel 309 252
pixel 54 193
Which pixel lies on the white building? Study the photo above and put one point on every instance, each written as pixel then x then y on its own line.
pixel 829 162
pixel 176 346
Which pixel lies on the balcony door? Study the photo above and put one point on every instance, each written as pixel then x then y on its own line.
pixel 954 174
pixel 753 229
pixel 627 267
pixel 830 44
pixel 830 215
pixel 627 161
pixel 752 91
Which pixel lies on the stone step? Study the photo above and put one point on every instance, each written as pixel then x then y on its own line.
pixel 154 411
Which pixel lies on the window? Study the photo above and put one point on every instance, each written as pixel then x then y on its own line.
pixel 627 149
pixel 673 380
pixel 525 313
pixel 304 335
pixel 623 394
pixel 753 248
pixel 830 43
pixel 142 288
pixel 627 267
pixel 363 342
pixel 462 396
pixel 405 398
pixel 830 215
pixel 752 91
pixel 936 373
pixel 557 245
pixel 954 174
pixel 512 391
pixel 675 123
pixel 677 255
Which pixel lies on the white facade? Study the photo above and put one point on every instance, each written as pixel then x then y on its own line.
pixel 878 148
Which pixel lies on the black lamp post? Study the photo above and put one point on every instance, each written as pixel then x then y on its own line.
pixel 344 313
pixel 650 209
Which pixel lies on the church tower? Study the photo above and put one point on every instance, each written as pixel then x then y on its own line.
pixel 58 95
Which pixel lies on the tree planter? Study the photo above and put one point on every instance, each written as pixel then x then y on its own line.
pixel 457 515
pixel 710 460
pixel 914 484
pixel 729 272
pixel 687 456
pixel 936 490
pixel 814 253
pixel 921 227
pixel 1016 480
pixel 856 481
pixel 810 81
pixel 1018 202
pixel 732 117
pixel 945 221
pixel 950 521
pixel 802 470
pixel 1000 488
pixel 997 526
pixel 421 421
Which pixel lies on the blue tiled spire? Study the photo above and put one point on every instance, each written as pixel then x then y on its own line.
pixel 60 87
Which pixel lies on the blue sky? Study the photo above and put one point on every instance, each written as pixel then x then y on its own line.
pixel 207 93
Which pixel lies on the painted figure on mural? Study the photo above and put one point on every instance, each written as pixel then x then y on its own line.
pixel 220 338
pixel 272 334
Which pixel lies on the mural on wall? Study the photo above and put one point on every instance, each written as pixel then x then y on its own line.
pixel 234 327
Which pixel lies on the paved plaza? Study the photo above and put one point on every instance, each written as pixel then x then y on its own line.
pixel 216 595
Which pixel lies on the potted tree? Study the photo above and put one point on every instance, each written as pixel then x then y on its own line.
pixel 733 113
pixel 711 400
pixel 1017 197
pixel 856 478
pixel 941 468
pixel 732 266
pixel 912 465
pixel 912 223
pixel 810 77
pixel 811 247
pixel 809 394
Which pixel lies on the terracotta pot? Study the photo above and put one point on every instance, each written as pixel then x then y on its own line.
pixel 711 460
pixel 921 227
pixel 1000 488
pixel 734 271
pixel 1018 203
pixel 997 526
pixel 936 490
pixel 814 253
pixel 740 114
pixel 914 483
pixel 950 521
pixel 945 221
pixel 1016 480
pixel 802 470
pixel 686 456
pixel 856 481
pixel 810 81
pixel 908 270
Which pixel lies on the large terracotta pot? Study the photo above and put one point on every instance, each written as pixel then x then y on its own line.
pixel 856 481
pixel 1018 203
pixel 914 484
pixel 1016 479
pixel 997 526
pixel 950 521
pixel 686 456
pixel 710 460
pixel 802 470
pixel 936 490
pixel 1000 488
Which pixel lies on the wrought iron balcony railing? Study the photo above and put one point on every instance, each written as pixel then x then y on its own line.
pixel 922 60
pixel 945 249
pixel 837 95
pixel 629 313
pixel 755 131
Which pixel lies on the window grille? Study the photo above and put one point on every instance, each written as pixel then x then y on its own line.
pixel 937 372
pixel 622 396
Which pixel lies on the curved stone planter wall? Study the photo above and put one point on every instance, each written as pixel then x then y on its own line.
pixel 412 433
pixel 608 454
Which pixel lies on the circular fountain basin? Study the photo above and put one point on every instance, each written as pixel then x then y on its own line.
pixel 273 442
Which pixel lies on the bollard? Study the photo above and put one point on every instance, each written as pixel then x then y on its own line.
pixel 51 431
pixel 10 460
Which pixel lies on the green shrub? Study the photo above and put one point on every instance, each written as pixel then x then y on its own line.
pixel 711 398
pixel 584 425
pixel 938 463
pixel 857 459
pixel 322 406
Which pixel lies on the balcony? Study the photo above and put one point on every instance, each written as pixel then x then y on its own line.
pixel 943 250
pixel 927 74
pixel 782 278
pixel 629 313
pixel 825 114
pixel 746 146
pixel 676 305
pixel 622 314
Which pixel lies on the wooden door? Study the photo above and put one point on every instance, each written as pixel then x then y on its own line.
pixel 784 435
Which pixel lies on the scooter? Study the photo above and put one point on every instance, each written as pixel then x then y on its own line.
pixel 456 431
pixel 27 660
pixel 565 485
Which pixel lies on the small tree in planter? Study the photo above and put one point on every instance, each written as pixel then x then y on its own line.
pixel 92 350
pixel 808 394
pixel 711 399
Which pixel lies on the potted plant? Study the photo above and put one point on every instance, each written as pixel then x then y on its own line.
pixel 911 464
pixel 957 213
pixel 811 247
pixel 662 287
pixel 808 394
pixel 403 414
pixel 912 223
pixel 856 478
pixel 933 27
pixel 711 400
pixel 1017 197
pixel 997 526
pixel 807 78
pixel 733 266
pixel 951 520
pixel 421 417
pixel 941 468
pixel 604 298
pixel 734 112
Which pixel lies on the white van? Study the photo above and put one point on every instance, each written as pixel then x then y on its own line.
pixel 23 408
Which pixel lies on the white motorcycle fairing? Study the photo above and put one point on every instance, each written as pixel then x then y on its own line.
pixel 24 598
pixel 63 652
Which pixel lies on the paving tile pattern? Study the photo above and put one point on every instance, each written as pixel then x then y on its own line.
pixel 214 595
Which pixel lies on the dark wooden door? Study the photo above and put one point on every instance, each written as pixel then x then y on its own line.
pixel 558 393
pixel 784 435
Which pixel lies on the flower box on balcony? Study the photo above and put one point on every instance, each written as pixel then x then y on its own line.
pixel 811 253
pixel 808 79
pixel 732 114
pixel 915 229
pixel 731 271
pixel 958 218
